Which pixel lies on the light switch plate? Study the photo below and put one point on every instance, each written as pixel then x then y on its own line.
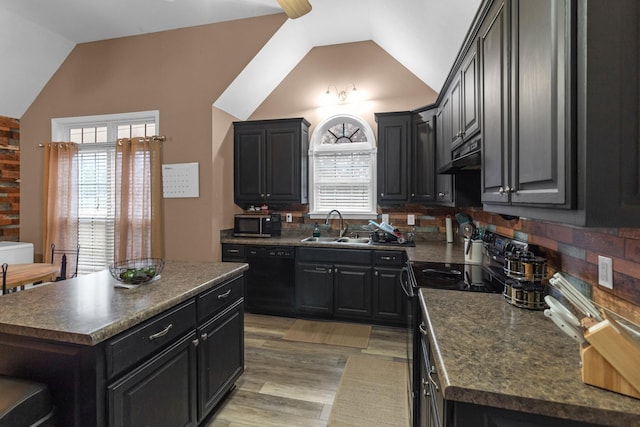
pixel 385 218
pixel 411 219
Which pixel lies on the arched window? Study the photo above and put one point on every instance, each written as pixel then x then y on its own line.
pixel 342 167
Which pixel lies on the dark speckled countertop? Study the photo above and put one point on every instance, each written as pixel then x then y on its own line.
pixel 491 353
pixel 90 309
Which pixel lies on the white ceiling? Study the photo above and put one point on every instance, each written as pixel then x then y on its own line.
pixel 37 35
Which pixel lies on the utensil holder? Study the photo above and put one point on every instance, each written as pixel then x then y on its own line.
pixel 473 254
pixel 610 361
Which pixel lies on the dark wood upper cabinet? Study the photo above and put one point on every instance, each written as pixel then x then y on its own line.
pixel 393 156
pixel 270 160
pixel 423 151
pixel 531 164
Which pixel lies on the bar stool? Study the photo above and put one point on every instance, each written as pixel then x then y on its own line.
pixel 25 403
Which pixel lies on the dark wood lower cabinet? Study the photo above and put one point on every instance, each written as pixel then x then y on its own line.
pixel 161 392
pixel 352 291
pixel 314 288
pixel 350 284
pixel 220 357
pixel 182 384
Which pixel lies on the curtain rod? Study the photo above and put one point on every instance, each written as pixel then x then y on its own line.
pixel 160 138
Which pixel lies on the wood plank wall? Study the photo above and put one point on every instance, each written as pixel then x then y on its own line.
pixel 9 179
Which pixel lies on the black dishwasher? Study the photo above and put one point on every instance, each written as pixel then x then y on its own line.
pixel 270 280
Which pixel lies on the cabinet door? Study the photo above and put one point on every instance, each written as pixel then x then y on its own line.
pixel 423 158
pixel 444 183
pixel 283 164
pixel 314 288
pixel 249 170
pixel 493 48
pixel 388 297
pixel 161 392
pixel 541 107
pixel 470 122
pixel 352 288
pixel 393 156
pixel 220 356
pixel 455 100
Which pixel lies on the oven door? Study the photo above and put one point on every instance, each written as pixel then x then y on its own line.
pixel 408 282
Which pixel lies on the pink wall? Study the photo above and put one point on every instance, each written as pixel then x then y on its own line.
pixel 181 73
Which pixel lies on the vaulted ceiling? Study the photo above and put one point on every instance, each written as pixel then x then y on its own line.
pixel 36 36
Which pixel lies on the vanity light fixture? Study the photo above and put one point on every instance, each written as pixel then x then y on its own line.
pixel 295 8
pixel 342 95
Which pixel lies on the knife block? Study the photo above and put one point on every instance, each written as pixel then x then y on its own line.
pixel 610 361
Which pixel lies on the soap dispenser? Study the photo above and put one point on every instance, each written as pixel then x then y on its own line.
pixel 316 230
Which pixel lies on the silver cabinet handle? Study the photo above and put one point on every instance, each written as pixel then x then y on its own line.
pixel 234 251
pixel 505 190
pixel 442 194
pixel 376 273
pixel 268 194
pixel 195 342
pixel 204 336
pixel 433 371
pixel 225 295
pixel 160 334
pixel 422 329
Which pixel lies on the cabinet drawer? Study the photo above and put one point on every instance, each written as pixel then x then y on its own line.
pixel 233 252
pixel 388 258
pixel 125 350
pixel 221 296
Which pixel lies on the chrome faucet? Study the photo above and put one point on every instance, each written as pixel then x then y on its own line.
pixel 342 229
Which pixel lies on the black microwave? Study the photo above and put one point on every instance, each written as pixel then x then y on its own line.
pixel 257 225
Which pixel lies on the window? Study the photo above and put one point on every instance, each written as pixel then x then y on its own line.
pixel 96 136
pixel 342 168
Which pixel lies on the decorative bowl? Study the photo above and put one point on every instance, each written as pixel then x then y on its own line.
pixel 137 271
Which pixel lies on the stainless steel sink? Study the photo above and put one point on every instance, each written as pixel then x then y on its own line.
pixel 320 239
pixel 343 240
pixel 360 240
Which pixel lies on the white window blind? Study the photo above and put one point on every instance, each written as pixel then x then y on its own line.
pixel 342 181
pixel 96 210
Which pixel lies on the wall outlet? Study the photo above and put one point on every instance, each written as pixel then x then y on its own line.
pixel 411 219
pixel 605 272
pixel 385 218
pixel 289 217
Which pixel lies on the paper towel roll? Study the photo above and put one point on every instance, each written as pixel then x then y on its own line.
pixel 449 229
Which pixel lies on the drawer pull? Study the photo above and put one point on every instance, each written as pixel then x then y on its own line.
pixel 195 342
pixel 387 258
pixel 204 336
pixel 234 251
pixel 162 333
pixel 422 329
pixel 433 371
pixel 225 295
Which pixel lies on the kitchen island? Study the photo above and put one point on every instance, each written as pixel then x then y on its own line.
pixel 512 366
pixel 112 355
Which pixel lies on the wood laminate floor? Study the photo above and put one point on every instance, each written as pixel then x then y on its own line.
pixel 287 383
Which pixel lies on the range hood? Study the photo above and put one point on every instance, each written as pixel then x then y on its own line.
pixel 466 157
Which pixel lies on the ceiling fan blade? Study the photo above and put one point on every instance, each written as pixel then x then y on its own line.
pixel 295 8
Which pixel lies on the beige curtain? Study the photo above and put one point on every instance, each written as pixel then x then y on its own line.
pixel 60 197
pixel 139 223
